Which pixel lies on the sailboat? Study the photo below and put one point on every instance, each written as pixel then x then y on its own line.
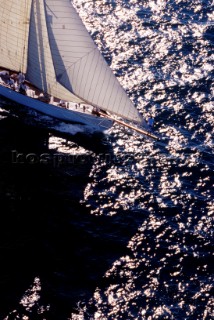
pixel 47 41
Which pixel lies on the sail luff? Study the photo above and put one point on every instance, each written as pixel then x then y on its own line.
pixel 79 65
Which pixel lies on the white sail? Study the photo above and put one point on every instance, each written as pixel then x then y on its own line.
pixel 40 69
pixel 78 63
pixel 47 40
pixel 14 26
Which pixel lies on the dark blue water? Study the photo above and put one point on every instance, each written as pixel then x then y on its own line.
pixel 121 229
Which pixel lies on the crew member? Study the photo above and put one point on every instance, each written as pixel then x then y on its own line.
pixel 150 123
pixel 5 76
pixel 23 88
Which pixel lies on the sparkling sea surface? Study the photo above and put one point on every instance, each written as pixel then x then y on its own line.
pixel 119 226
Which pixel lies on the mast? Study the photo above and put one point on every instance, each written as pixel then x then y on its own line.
pixel 47 40
pixel 26 21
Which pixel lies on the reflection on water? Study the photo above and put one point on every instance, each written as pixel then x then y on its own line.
pixel 123 232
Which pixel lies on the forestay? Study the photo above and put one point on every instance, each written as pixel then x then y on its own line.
pixel 47 40
pixel 79 65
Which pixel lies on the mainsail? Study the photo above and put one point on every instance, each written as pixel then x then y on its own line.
pixel 14 26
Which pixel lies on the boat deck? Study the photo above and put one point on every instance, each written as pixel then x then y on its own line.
pixel 80 112
pixel 37 94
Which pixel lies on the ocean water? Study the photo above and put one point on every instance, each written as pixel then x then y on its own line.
pixel 121 229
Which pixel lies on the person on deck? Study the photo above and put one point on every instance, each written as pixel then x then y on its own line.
pixel 150 123
pixel 95 111
pixel 5 76
pixel 11 83
pixel 21 78
pixel 62 104
pixel 23 88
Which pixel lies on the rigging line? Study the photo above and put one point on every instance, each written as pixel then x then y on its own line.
pixel 55 83
pixel 50 10
pixel 25 22
pixel 77 61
